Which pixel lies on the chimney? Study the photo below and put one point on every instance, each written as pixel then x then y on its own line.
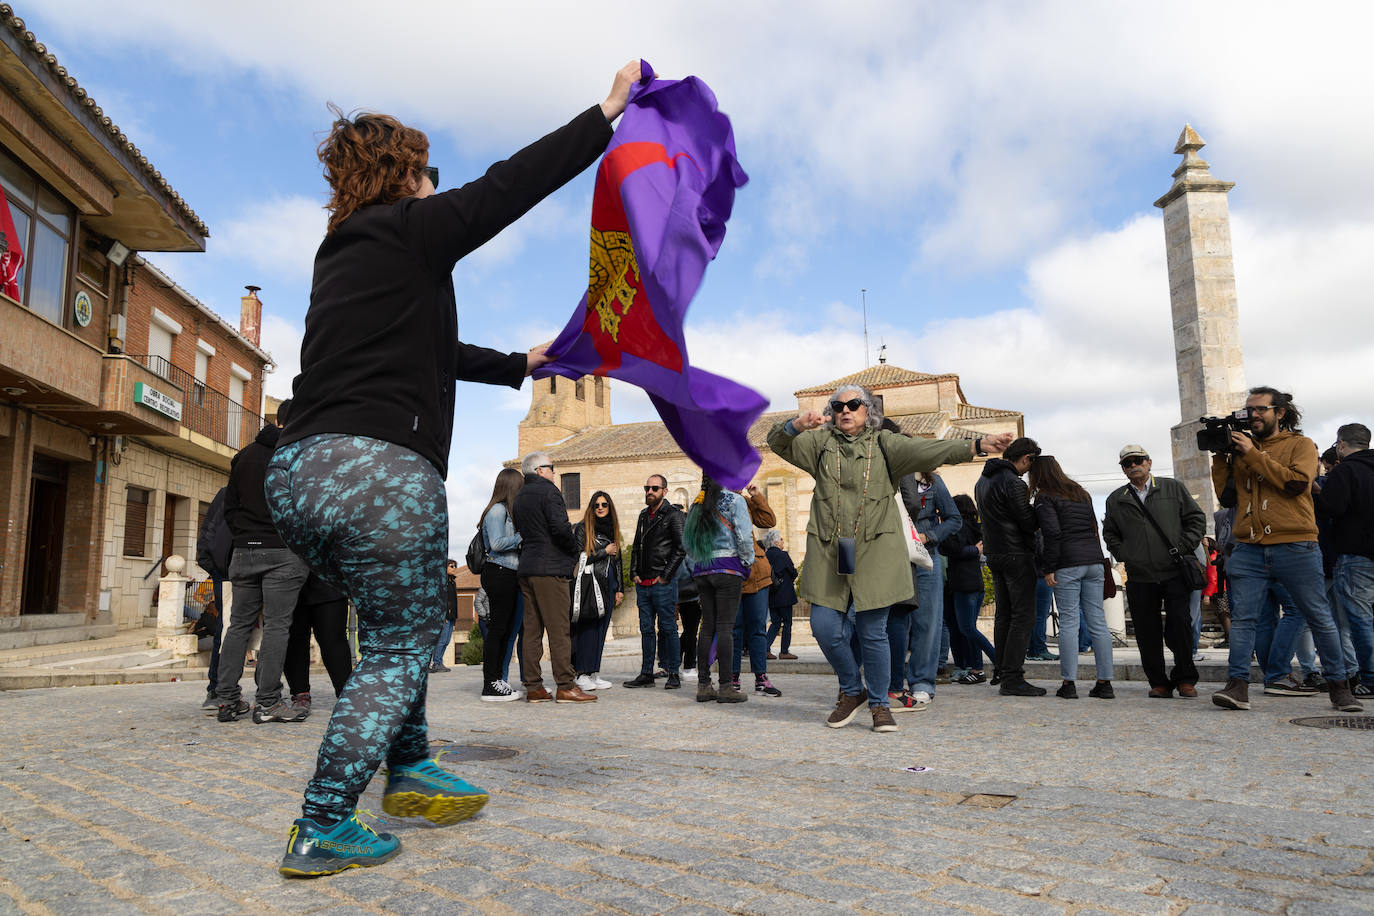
pixel 250 319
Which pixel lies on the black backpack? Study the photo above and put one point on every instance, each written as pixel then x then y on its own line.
pixel 477 553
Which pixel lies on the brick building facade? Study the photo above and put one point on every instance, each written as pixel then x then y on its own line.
pixel 101 387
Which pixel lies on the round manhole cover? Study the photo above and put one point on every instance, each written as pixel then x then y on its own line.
pixel 1361 723
pixel 466 752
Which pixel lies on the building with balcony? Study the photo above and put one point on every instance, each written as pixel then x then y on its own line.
pixel 122 398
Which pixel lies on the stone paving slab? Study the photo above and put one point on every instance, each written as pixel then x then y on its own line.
pixel 129 800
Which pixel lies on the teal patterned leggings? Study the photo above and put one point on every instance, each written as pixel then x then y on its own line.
pixel 371 517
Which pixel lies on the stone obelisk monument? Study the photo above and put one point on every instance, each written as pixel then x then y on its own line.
pixel 1202 294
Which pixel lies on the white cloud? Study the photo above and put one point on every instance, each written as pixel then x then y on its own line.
pixel 282 339
pixel 279 235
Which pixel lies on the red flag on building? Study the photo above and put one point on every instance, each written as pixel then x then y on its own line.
pixel 13 256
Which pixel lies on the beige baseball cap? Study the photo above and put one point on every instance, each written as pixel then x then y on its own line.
pixel 1132 451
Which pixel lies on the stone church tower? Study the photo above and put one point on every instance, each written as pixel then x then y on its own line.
pixel 1202 293
pixel 561 407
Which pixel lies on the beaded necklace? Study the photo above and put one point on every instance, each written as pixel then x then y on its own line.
pixel 868 466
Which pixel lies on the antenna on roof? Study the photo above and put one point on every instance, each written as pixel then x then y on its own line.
pixel 863 293
pixel 882 354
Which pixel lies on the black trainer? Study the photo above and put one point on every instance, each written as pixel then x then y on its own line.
pixel 1067 691
pixel 643 680
pixel 230 712
pixel 1102 690
pixel 1021 688
pixel 674 682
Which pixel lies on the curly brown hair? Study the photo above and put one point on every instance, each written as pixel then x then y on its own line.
pixel 369 159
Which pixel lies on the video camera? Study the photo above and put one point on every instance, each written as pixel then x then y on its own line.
pixel 1215 435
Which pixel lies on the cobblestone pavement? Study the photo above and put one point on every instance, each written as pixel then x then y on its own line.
pixel 129 800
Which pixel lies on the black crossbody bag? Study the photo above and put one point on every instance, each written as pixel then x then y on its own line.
pixel 1189 571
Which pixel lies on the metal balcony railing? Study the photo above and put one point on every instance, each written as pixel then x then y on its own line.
pixel 205 410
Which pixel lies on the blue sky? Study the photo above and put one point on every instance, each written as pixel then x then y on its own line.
pixel 985 170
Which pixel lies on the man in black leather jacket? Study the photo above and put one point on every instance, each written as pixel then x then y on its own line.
pixel 654 558
pixel 1009 527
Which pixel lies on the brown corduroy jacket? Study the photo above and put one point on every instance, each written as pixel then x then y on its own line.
pixel 1273 489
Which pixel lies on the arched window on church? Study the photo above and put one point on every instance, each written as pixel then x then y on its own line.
pixel 580 390
pixel 600 388
pixel 680 499
pixel 553 384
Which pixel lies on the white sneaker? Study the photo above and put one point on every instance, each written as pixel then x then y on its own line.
pixel 499 692
pixel 1199 657
pixel 600 682
pixel 922 700
pixel 688 673
pixel 512 688
pixel 585 682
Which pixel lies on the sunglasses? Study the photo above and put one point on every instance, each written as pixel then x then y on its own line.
pixel 651 489
pixel 1133 461
pixel 542 466
pixel 601 505
pixel 433 173
pixel 1259 408
pixel 853 404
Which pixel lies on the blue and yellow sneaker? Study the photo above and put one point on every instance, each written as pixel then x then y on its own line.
pixel 312 850
pixel 424 790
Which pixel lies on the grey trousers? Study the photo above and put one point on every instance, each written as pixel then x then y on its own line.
pixel 266 580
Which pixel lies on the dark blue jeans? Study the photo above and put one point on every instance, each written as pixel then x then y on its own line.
pixel 1044 606
pixel 1252 570
pixel 658 604
pixel 371 517
pixel 780 621
pixel 751 628
pixel 966 608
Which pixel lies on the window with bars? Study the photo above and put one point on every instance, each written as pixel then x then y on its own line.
pixel 136 522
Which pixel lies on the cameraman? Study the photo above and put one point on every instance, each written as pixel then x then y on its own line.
pixel 1276 538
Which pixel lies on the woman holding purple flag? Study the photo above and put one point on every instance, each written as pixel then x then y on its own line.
pixel 356 485
pixel 856 560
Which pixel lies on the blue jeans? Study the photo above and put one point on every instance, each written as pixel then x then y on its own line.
pixel 1194 611
pixel 445 637
pixel 1354 581
pixel 833 630
pixel 658 603
pixel 1352 662
pixel 966 608
pixel 1078 592
pixel 751 625
pixel 1044 605
pixel 1298 568
pixel 927 628
pixel 1291 636
pixel 516 639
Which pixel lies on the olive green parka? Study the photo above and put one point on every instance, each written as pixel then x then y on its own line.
pixel 882 574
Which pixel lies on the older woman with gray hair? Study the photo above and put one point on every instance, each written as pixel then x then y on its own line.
pixel 782 595
pixel 856 561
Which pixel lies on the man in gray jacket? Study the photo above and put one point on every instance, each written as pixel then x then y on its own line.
pixel 1152 575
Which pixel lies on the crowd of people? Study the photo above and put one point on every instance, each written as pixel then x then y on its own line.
pixel 347 498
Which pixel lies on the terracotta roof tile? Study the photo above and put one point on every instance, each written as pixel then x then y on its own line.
pixel 83 100
pixel 972 412
pixel 879 376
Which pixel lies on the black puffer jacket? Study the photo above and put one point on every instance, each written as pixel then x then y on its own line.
pixel 245 502
pixel 1009 522
pixel 657 548
pixel 547 547
pixel 965 573
pixel 1069 530
pixel 1347 499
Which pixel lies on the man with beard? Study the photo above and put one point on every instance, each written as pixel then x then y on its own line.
pixel 1272 468
pixel 654 559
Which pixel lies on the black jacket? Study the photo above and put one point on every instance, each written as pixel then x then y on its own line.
pixel 783 592
pixel 547 545
pixel 608 567
pixel 215 543
pixel 381 350
pixel 657 549
pixel 965 573
pixel 1069 533
pixel 1009 522
pixel 1347 499
pixel 1133 540
pixel 245 503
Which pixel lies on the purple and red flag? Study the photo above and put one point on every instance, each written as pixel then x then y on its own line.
pixel 663 192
